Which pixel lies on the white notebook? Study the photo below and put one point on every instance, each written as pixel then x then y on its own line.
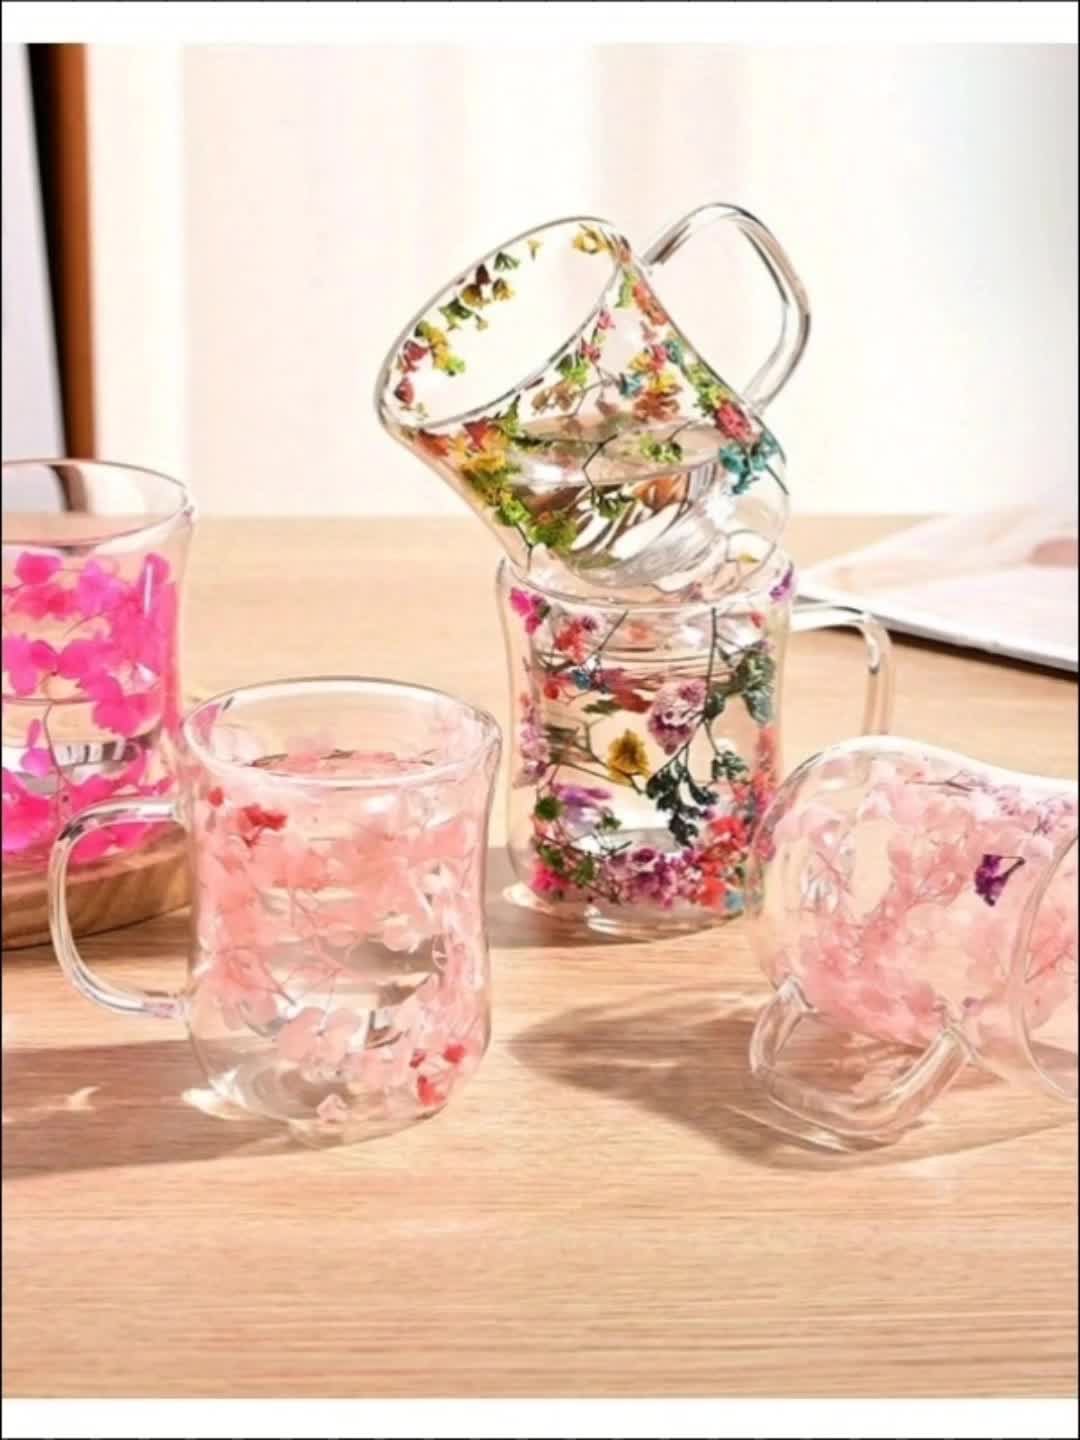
pixel 1004 581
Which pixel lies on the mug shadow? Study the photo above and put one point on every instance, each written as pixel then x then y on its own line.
pixel 143 1109
pixel 682 1054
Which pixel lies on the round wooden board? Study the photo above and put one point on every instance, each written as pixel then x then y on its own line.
pixel 103 896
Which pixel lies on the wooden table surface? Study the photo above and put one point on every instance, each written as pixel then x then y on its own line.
pixel 604 1210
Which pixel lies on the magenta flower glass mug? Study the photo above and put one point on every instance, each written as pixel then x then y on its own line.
pixel 917 897
pixel 548 386
pixel 93 562
pixel 337 829
pixel 646 744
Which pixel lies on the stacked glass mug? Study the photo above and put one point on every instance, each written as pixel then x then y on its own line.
pixel 645 596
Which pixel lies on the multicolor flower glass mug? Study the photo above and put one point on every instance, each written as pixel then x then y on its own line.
pixel 911 895
pixel 549 387
pixel 337 828
pixel 646 744
pixel 93 560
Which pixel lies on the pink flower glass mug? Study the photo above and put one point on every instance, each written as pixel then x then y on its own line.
pixel 646 744
pixel 548 386
pixel 915 896
pixel 338 977
pixel 93 560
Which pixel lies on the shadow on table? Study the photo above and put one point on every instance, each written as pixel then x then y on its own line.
pixel 683 1055
pixel 140 1109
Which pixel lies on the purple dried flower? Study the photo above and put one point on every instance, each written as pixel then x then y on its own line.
pixel 582 805
pixel 785 586
pixel 991 877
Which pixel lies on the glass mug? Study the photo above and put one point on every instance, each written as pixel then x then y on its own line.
pixel 338 976
pixel 548 387
pixel 914 896
pixel 646 744
pixel 93 562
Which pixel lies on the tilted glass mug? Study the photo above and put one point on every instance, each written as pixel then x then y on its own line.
pixel 551 389
pixel 915 896
pixel 338 976
pixel 646 743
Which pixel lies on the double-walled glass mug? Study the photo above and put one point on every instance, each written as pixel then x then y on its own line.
pixel 550 388
pixel 93 562
pixel 915 896
pixel 646 744
pixel 337 828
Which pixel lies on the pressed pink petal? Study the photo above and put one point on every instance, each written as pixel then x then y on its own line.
pixel 114 710
pixel 43 656
pixel 400 935
pixel 27 816
pixel 102 687
pixel 93 846
pixel 86 659
pixel 337 1033
pixel 26 660
pixel 37 762
pixel 21 671
pixel 96 590
pixel 35 568
pixel 61 603
pixel 296 1038
pixel 90 791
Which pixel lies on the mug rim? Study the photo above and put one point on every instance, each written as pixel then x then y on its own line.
pixel 184 510
pixel 488 743
pixel 385 374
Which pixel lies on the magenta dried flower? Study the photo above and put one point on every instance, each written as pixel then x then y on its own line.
pixel 676 713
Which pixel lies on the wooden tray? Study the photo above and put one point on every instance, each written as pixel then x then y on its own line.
pixel 114 892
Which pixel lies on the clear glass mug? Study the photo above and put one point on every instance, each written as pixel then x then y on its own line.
pixel 646 744
pixel 548 386
pixel 93 563
pixel 917 897
pixel 337 830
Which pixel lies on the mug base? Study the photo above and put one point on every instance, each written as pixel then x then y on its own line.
pixel 264 1088
pixel 615 922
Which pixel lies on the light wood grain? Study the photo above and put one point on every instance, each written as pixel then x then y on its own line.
pixel 119 891
pixel 604 1211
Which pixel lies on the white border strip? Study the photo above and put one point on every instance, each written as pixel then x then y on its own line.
pixel 479 1419
pixel 555 22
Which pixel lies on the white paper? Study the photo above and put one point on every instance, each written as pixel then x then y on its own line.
pixel 1004 581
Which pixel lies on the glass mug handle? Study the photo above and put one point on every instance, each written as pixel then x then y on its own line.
pixel 877 710
pixel 124 999
pixel 777 370
pixel 867 1116
pixel 892 1109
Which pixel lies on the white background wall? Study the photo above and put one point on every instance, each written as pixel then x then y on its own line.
pixel 267 219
